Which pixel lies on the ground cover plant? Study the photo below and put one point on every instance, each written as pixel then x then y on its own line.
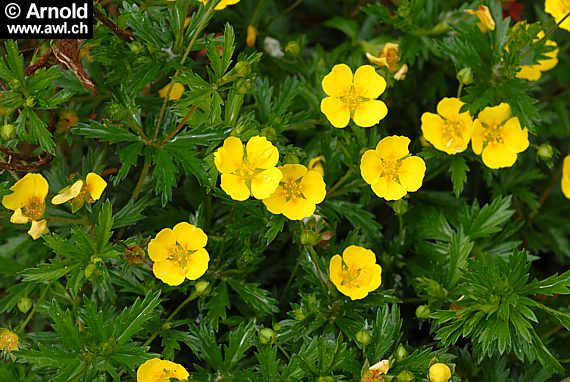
pixel 289 191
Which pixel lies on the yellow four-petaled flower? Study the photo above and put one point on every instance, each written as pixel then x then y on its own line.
pixel 298 193
pixel 356 273
pixel 390 169
pixel 498 136
pixel 158 370
pixel 250 172
pixel 448 130
pixel 81 191
pixel 179 254
pixel 353 96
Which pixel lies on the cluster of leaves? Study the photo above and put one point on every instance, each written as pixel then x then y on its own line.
pixel 472 252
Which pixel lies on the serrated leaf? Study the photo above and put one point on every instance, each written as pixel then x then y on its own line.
pixel 458 170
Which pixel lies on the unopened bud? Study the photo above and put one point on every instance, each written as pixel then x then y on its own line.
pixel 89 269
pixel 24 304
pixel 293 48
pixel 15 84
pixel 291 159
pixel 363 337
pixel 8 132
pixel 202 288
pixel 401 352
pixel 439 372
pixel 242 68
pixel 266 336
pixel 30 102
pixel 465 76
pixel 405 376
pixel 299 314
pixel 309 238
pixel 545 151
pixel 400 207
pixel 423 312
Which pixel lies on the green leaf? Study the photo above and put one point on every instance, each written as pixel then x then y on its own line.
pixel 105 132
pixel 50 271
pixel 257 298
pixel 458 170
pixel 239 343
pixel 217 305
pixel 128 156
pixel 482 222
pixel 165 174
pixel 104 226
pixel 130 321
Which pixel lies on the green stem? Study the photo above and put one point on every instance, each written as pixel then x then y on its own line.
pixel 34 308
pixel 189 299
pixel 340 182
pixel 290 280
pixel 140 182
pixel 179 126
pixel 57 219
pixel 551 30
pixel 320 275
pixel 459 90
pixel 282 350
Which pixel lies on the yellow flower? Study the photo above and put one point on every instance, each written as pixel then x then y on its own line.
pixel 356 273
pixel 28 199
pixel 38 229
pixel 499 136
pixel 486 22
pixel 566 176
pixel 176 92
pixel 534 72
pixel 250 36
pixel 353 96
pixel 558 9
pixel 391 170
pixel 158 370
pixel 316 164
pixel 448 130
pixel 81 192
pixel 389 57
pixel 8 341
pixel 439 372
pixel 253 174
pixel 179 254
pixel 298 193
pixel 222 4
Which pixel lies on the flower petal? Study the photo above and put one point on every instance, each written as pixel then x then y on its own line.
pixel 276 201
pixel 449 107
pixel 432 125
pixel 176 92
pixel 68 193
pixel 477 137
pixel 31 186
pixel 292 172
pixel 313 187
pixel 358 257
pixel 235 186
pixel 495 115
pixel 298 209
pixel 338 82
pixel 389 189
pixel 514 136
pixel 369 113
pixel 197 264
pixel 368 83
pixel 529 73
pixel 95 185
pixel 229 157
pixel 412 172
pixel 18 217
pixel 261 153
pixel 336 111
pixel 169 272
pixel 498 155
pixel 265 183
pixel 565 184
pixel 38 229
pixel 190 236
pixel 376 278
pixel 393 147
pixel 335 270
pixel 162 246
pixel 371 167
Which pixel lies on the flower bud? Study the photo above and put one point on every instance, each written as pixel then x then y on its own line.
pixel 326 379
pixel 363 337
pixel 242 68
pixel 309 238
pixel 15 84
pixel 405 376
pixel 266 336
pixel 439 372
pixel 291 159
pixel 299 314
pixel 89 269
pixel 251 36
pixel 423 312
pixel 400 207
pixel 545 152
pixel 30 102
pixel 8 132
pixel 465 76
pixel 401 352
pixel 24 304
pixel 293 48
pixel 202 288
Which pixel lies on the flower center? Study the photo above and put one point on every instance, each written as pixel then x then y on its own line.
pixel 492 133
pixel 452 135
pixel 352 99
pixel 181 255
pixel 292 190
pixel 355 277
pixel 391 168
pixel 35 209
